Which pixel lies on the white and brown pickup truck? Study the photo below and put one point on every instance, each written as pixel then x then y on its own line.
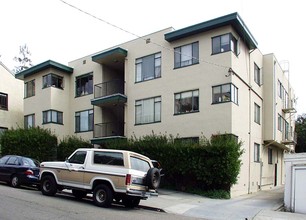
pixel 110 175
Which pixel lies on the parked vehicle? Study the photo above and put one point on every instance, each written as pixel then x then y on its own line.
pixel 19 170
pixel 108 174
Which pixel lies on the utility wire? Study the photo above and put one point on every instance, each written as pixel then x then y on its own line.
pixel 135 35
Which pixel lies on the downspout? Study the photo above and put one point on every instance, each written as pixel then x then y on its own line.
pixel 250 124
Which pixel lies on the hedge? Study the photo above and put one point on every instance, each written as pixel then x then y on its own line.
pixel 34 142
pixel 210 165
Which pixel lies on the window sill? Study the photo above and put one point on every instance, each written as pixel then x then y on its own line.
pixel 147 80
pixel 83 131
pixel 179 67
pixel 147 123
pixel 185 113
pixel 52 123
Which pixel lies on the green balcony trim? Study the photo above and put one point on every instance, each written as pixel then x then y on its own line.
pixel 107 53
pixel 114 98
pixel 101 140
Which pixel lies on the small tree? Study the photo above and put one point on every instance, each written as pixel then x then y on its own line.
pixel 69 145
pixel 300 128
pixel 24 61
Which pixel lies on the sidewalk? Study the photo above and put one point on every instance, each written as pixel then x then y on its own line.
pixel 260 206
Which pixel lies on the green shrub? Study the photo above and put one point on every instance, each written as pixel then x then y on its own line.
pixel 68 145
pixel 209 165
pixel 34 142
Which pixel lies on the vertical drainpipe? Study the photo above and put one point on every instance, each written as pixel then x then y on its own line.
pixel 274 102
pixel 250 124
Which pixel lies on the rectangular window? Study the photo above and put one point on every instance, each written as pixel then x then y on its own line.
pixel 186 102
pixel 108 158
pixel 52 80
pixel 280 122
pixel 52 116
pixel 84 121
pixel 256 113
pixel 148 67
pixel 225 93
pixel 29 89
pixel 257 75
pixel 29 121
pixel 224 43
pixel 270 154
pixel 256 152
pixel 3 101
pixel 286 130
pixel 148 111
pixel 84 85
pixel 186 55
pixel 2 130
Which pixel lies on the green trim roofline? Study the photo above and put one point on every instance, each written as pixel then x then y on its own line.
pixel 42 66
pixel 115 51
pixel 232 19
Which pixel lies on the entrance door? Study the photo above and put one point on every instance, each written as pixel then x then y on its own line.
pixel 275 175
pixel 300 190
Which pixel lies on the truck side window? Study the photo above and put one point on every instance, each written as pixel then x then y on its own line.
pixel 108 158
pixel 78 157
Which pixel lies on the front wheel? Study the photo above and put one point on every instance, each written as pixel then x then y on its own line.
pixel 102 195
pixel 48 186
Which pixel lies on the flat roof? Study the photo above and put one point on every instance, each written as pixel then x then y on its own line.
pixel 231 19
pixel 42 66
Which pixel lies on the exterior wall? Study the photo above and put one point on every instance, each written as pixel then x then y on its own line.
pixel 13 117
pixel 50 98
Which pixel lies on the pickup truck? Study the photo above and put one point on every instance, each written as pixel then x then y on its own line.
pixel 110 175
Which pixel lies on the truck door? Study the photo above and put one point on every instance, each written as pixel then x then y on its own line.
pixel 73 175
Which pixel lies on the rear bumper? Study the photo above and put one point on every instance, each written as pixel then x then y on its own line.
pixel 142 194
pixel 30 180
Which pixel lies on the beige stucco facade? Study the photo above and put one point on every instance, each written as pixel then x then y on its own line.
pixel 121 101
pixel 11 89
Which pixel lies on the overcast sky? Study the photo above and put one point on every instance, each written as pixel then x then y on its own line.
pixel 56 31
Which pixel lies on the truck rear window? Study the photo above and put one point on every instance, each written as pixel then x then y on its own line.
pixel 108 158
pixel 139 164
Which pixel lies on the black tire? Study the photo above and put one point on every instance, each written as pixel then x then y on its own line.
pixel 48 186
pixel 130 202
pixel 79 194
pixel 15 181
pixel 153 178
pixel 102 195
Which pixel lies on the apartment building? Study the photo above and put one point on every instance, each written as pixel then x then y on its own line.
pixel 208 78
pixel 11 100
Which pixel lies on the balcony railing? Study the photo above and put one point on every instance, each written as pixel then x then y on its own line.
pixel 109 88
pixel 289 138
pixel 109 129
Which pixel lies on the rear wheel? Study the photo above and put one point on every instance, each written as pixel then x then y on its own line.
pixel 131 202
pixel 15 181
pixel 102 195
pixel 153 178
pixel 79 194
pixel 48 186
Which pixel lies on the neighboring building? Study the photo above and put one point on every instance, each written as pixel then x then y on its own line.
pixel 11 100
pixel 205 79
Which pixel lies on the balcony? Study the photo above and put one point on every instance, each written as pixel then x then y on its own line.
pixel 109 93
pixel 289 138
pixel 108 131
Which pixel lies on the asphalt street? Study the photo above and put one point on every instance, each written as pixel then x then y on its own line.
pixel 30 204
